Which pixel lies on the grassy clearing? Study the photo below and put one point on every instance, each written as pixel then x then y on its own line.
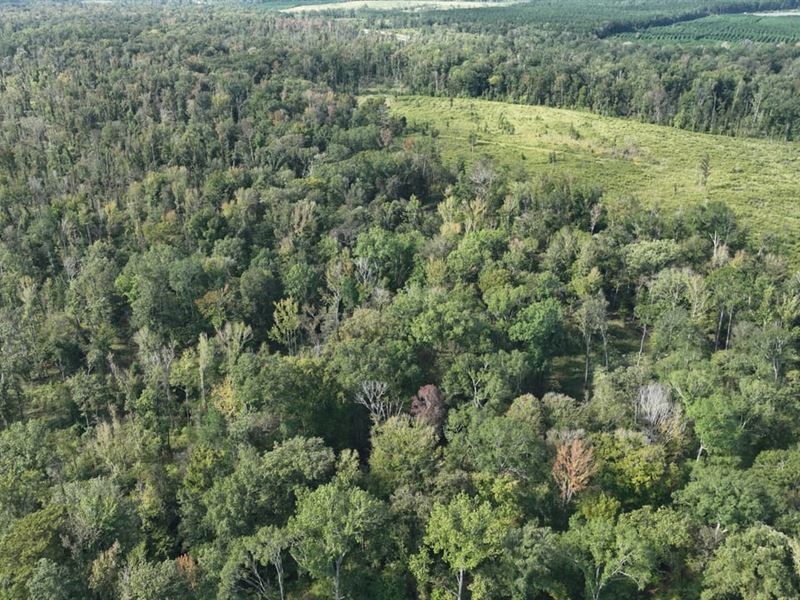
pixel 759 179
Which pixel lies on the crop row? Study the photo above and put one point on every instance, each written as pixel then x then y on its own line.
pixel 730 28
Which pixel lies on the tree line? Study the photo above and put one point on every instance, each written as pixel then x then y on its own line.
pixel 747 89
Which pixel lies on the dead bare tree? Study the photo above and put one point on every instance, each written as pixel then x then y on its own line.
pixel 312 322
pixel 595 216
pixel 234 337
pixel 365 272
pixel 204 356
pixel 374 396
pixel 660 416
pixel 335 275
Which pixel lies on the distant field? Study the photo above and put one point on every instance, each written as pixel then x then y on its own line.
pixel 601 17
pixel 781 27
pixel 759 179
pixel 778 13
pixel 398 5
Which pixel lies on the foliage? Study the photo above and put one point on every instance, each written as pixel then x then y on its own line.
pixel 265 336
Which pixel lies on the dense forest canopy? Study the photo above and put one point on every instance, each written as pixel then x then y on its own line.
pixel 257 340
pixel 562 55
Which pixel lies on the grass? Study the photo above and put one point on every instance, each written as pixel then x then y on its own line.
pixel 758 179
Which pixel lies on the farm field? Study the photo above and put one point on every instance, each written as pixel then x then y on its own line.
pixel 759 179
pixel 772 28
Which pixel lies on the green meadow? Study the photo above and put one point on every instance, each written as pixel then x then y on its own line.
pixel 759 179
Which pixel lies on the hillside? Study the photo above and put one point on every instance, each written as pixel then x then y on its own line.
pixel 659 165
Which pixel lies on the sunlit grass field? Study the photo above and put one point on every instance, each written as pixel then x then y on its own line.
pixel 759 179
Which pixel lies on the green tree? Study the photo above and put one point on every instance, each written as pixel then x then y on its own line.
pixel 630 550
pixel 501 445
pixel 540 327
pixel 466 532
pixel 26 453
pixel 405 453
pixel 146 580
pixel 286 328
pixel 249 558
pixel 591 317
pixel 34 537
pixel 759 563
pixel 724 496
pixel 50 581
pixel 390 254
pixel 331 522
pixel 538 562
pixel 262 489
pixel 98 513
pixel 634 470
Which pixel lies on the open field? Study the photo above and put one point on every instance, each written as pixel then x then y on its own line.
pixel 778 13
pixel 782 27
pixel 397 5
pixel 759 179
